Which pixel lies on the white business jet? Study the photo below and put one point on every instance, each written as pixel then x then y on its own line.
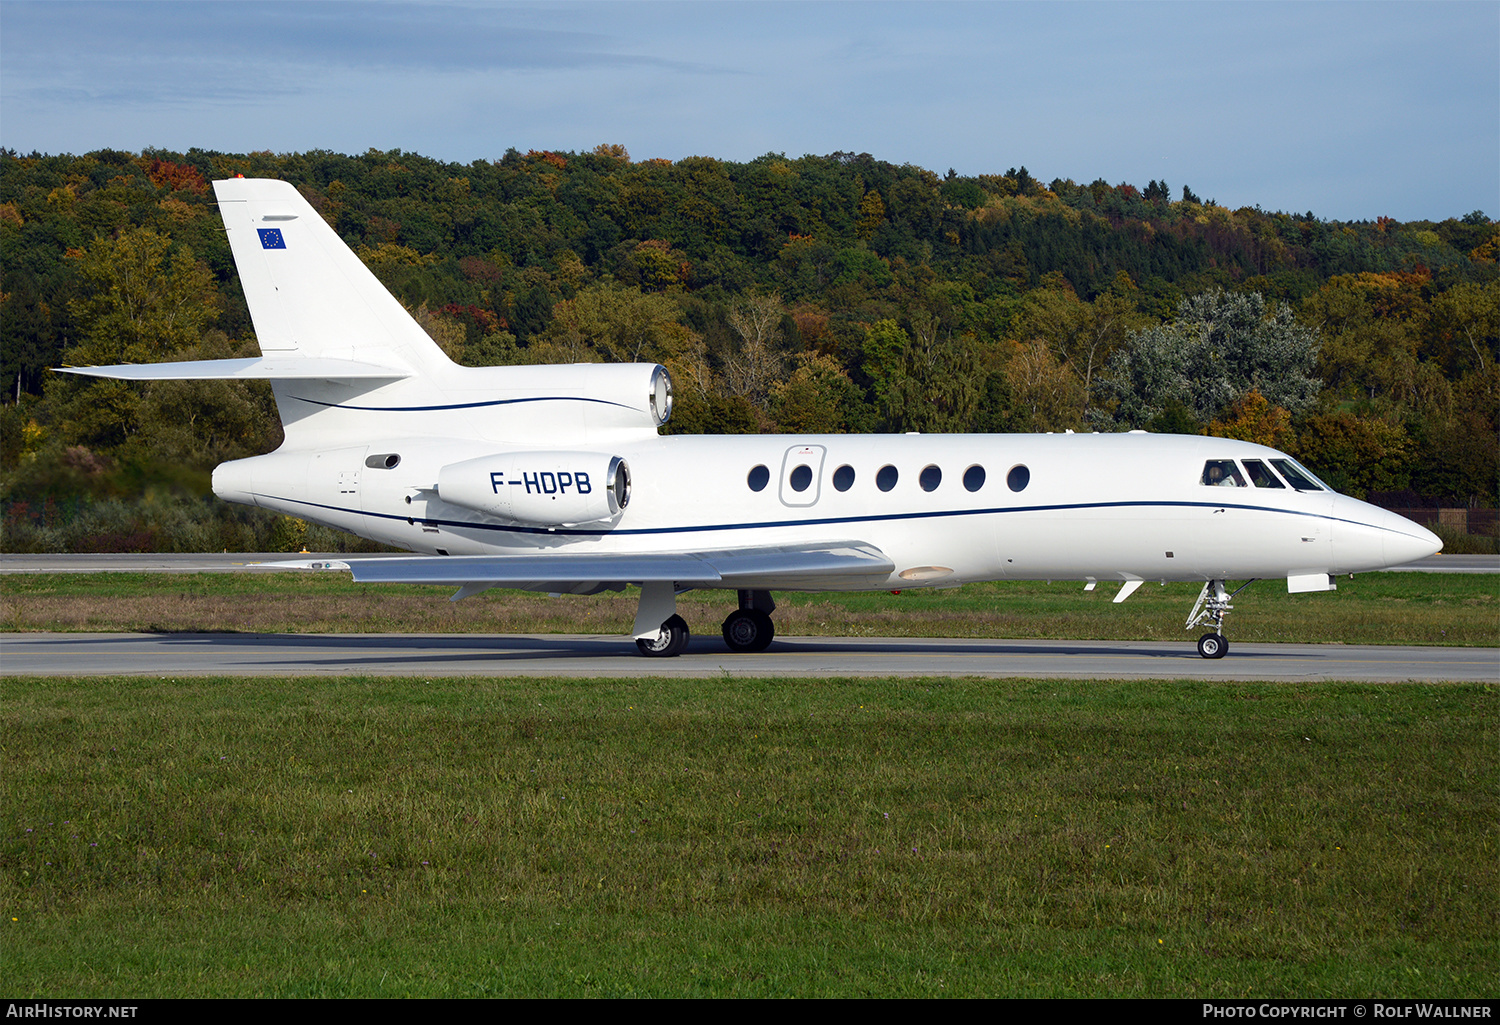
pixel 554 478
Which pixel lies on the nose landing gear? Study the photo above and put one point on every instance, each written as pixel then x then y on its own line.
pixel 1213 604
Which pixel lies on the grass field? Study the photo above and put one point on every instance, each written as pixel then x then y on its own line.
pixel 1375 608
pixel 381 837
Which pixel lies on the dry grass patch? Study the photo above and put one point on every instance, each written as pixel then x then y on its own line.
pixel 1384 608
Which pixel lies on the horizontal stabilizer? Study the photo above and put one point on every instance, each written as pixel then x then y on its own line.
pixel 781 566
pixel 286 368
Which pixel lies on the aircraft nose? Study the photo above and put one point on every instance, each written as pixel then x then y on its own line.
pixel 1368 537
pixel 1406 541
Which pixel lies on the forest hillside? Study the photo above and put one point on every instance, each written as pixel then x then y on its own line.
pixel 815 294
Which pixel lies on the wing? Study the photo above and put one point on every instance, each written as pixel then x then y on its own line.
pixel 834 564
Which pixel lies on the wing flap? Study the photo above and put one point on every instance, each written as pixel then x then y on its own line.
pixel 801 566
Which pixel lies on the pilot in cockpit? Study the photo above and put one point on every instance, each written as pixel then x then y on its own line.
pixel 1222 473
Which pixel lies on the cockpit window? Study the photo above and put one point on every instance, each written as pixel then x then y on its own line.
pixel 1222 473
pixel 1299 476
pixel 1261 475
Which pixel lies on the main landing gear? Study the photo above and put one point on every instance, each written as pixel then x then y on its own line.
pixel 671 640
pixel 1213 603
pixel 749 628
pixel 746 629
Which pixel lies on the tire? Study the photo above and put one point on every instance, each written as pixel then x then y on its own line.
pixel 747 630
pixel 671 641
pixel 1213 646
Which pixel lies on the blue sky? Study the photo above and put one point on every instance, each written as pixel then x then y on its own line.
pixel 1350 110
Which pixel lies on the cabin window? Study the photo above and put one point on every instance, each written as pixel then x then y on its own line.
pixel 1018 478
pixel 1222 473
pixel 930 478
pixel 843 477
pixel 886 478
pixel 974 478
pixel 1299 476
pixel 1261 475
pixel 759 478
pixel 801 477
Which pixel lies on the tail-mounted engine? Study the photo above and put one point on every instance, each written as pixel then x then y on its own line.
pixel 581 401
pixel 544 489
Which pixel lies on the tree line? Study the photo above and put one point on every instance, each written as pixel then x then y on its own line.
pixel 819 294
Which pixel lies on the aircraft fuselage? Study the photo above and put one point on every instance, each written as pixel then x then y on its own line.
pixel 946 509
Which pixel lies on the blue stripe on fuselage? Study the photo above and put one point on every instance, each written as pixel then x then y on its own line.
pixel 460 405
pixel 821 521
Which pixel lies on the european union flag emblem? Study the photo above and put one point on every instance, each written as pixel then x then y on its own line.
pixel 270 238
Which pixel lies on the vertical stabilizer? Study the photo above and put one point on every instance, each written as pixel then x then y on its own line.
pixel 308 294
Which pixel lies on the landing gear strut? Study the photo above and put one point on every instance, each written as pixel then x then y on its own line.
pixel 1213 604
pixel 749 628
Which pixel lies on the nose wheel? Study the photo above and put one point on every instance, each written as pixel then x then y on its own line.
pixel 672 640
pixel 1213 646
pixel 1213 604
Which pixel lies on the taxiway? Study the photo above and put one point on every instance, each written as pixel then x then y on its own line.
pixel 226 654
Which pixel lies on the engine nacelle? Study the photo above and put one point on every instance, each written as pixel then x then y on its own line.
pixel 568 406
pixel 544 489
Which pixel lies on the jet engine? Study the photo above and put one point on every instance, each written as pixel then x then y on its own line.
pixel 569 405
pixel 544 489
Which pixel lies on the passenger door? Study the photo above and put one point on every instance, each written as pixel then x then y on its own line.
pixel 802 475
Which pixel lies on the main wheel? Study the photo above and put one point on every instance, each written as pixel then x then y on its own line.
pixel 748 630
pixel 672 640
pixel 1213 646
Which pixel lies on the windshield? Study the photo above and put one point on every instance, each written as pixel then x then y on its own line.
pixel 1299 476
pixel 1261 475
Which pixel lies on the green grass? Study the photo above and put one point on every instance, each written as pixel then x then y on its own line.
pixel 1376 608
pixel 376 837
